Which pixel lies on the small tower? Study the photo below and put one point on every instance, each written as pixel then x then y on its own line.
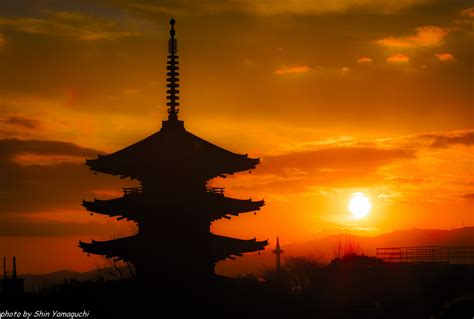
pixel 278 252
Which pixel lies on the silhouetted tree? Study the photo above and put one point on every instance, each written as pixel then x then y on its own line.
pixel 347 247
pixel 297 275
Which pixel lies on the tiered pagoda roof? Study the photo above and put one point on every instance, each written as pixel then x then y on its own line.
pixel 129 248
pixel 172 146
pixel 214 206
pixel 173 207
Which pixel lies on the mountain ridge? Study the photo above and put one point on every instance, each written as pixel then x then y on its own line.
pixel 320 248
pixel 324 248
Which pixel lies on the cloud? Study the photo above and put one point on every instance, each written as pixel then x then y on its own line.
pixel 29 187
pixel 425 36
pixel 445 57
pixel 10 148
pixel 408 180
pixel 398 58
pixel 68 15
pixel 35 200
pixel 469 12
pixel 336 158
pixel 442 141
pixel 26 226
pixel 21 121
pixel 364 60
pixel 292 69
pixel 132 92
pixel 469 196
pixel 69 24
pixel 272 7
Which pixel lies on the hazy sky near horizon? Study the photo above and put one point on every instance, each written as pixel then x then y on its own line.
pixel 334 96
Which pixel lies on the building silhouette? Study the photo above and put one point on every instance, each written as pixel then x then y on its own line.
pixel 12 286
pixel 278 252
pixel 173 207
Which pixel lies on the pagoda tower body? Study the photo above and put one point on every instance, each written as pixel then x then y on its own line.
pixel 173 208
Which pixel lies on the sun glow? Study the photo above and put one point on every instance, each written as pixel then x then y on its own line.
pixel 359 205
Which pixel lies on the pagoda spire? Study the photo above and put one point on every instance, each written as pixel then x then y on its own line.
pixel 172 74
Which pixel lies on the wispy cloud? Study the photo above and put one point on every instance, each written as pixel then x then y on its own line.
pixel 68 15
pixel 20 121
pixel 445 140
pixel 445 57
pixel 131 92
pixel 32 170
pixel 398 58
pixel 468 12
pixel 292 69
pixel 272 7
pixel 364 60
pixel 69 24
pixel 469 196
pixel 11 148
pixel 335 158
pixel 425 36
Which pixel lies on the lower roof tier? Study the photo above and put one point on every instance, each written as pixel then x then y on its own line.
pixel 133 206
pixel 172 152
pixel 134 248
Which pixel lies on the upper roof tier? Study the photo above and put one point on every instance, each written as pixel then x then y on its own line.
pixel 172 152
pixel 132 206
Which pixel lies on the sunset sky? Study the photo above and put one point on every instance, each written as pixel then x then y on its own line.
pixel 335 97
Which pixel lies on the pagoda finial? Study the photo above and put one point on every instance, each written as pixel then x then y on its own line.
pixel 172 74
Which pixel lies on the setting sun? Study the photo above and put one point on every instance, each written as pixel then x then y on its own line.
pixel 359 205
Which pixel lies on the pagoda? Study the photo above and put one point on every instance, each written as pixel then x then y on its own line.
pixel 173 207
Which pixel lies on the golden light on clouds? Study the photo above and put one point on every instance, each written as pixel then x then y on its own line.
pixel 445 57
pixel 275 7
pixel 425 36
pixel 333 104
pixel 468 12
pixel 398 58
pixel 292 69
pixel 69 24
pixel 364 60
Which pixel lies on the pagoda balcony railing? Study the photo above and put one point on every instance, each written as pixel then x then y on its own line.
pixel 215 190
pixel 132 190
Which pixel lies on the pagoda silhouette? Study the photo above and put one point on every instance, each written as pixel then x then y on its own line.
pixel 173 207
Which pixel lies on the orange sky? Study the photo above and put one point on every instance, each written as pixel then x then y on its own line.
pixel 336 97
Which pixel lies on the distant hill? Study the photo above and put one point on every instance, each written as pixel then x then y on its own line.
pixel 45 281
pixel 324 248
